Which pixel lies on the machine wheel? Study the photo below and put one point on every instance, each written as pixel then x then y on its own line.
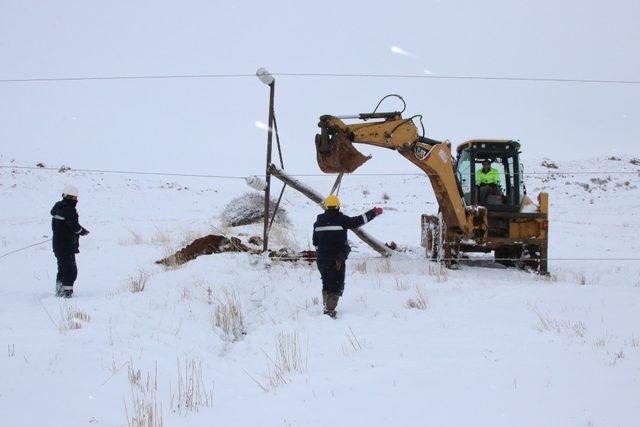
pixel 434 232
pixel 534 259
pixel 431 236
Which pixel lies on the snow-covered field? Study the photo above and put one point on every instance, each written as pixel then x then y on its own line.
pixel 493 346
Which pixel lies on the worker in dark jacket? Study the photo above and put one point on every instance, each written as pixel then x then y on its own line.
pixel 66 235
pixel 330 240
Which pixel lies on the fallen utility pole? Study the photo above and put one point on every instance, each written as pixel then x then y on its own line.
pixel 317 198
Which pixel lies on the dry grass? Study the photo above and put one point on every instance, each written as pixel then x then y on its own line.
pixel 384 266
pixel 288 359
pixel 400 286
pixel 192 393
pixel 138 283
pixel 439 271
pixel 550 278
pixel 11 350
pixel 548 323
pixel 186 294
pixel 361 267
pixel 170 262
pixel 281 236
pixel 355 343
pixel 146 411
pixel 188 236
pixel 70 318
pixel 135 237
pixel 116 292
pixel 227 316
pixel 602 341
pixel 419 302
pixel 617 356
pixel 162 238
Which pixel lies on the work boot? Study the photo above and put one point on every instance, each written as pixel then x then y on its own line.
pixel 67 291
pixel 59 289
pixel 325 295
pixel 330 306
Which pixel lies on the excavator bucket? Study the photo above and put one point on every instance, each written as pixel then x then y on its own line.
pixel 336 154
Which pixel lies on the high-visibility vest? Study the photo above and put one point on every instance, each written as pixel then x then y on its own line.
pixel 491 177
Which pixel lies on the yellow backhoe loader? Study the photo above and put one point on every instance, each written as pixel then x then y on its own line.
pixel 471 217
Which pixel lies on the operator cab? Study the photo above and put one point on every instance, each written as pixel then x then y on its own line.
pixel 499 188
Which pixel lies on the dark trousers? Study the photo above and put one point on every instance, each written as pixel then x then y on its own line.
pixel 67 270
pixel 484 191
pixel 332 277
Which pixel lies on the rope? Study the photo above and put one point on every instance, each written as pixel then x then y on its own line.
pixel 26 247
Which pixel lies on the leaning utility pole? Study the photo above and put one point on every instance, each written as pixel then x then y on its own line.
pixel 317 198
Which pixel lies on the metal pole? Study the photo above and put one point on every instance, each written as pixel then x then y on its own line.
pixel 265 234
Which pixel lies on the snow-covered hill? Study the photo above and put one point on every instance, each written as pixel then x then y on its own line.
pixel 413 345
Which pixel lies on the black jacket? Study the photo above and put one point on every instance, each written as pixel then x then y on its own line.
pixel 65 226
pixel 330 233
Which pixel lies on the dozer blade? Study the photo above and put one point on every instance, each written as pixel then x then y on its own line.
pixel 336 153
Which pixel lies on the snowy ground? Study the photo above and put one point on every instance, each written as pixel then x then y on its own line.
pixel 494 346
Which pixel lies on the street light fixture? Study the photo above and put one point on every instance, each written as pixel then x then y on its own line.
pixel 266 78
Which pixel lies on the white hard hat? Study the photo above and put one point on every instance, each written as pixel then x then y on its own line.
pixel 70 190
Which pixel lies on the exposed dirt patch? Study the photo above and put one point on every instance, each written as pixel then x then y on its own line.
pixel 211 244
pixel 215 244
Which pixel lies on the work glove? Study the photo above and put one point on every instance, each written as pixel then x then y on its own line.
pixel 378 211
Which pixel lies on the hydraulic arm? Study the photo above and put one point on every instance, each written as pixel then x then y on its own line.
pixel 336 154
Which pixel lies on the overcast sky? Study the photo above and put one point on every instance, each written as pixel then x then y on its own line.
pixel 208 125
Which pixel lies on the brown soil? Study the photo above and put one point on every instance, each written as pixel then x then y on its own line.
pixel 211 244
pixel 214 244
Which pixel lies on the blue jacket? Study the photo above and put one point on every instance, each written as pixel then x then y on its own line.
pixel 330 233
pixel 66 228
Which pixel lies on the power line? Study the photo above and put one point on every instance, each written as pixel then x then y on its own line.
pixel 327 75
pixel 122 172
pixel 141 77
pixel 464 77
pixel 187 175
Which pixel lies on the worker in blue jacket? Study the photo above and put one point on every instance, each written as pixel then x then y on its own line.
pixel 330 240
pixel 66 236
